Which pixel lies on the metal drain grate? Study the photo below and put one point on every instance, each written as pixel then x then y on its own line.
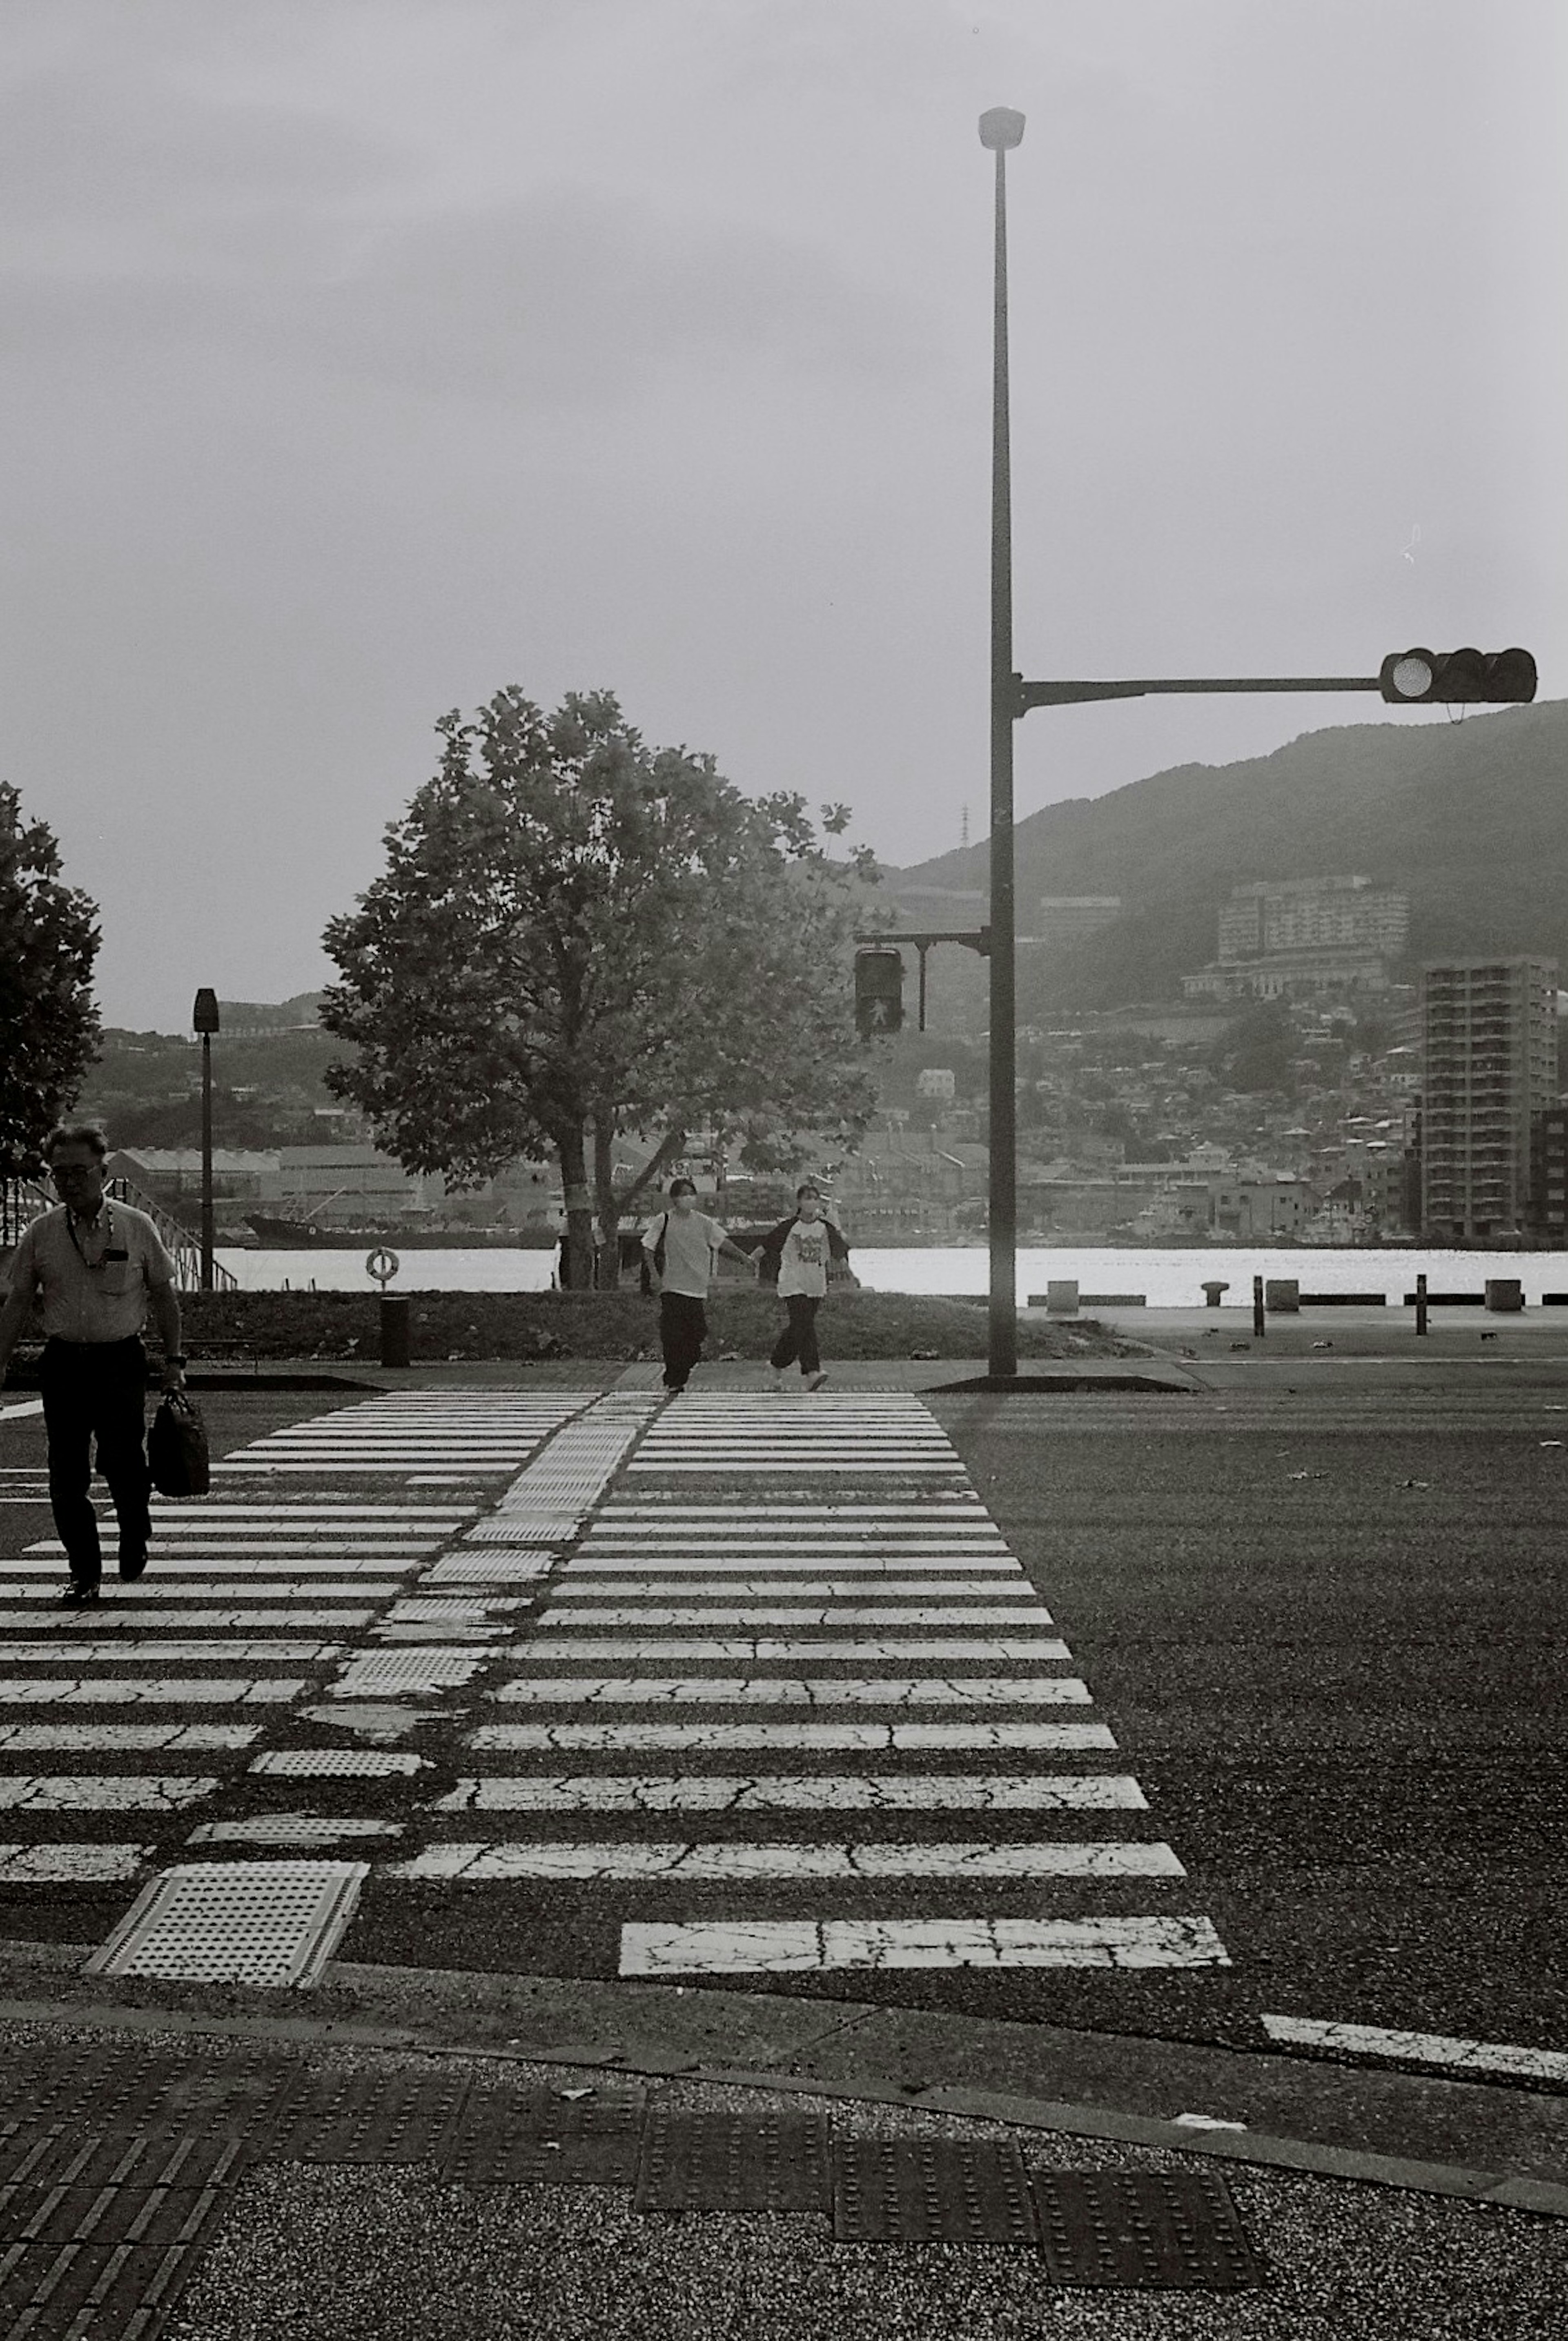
pixel 541 2135
pixel 346 1763
pixel 272 1922
pixel 1142 2229
pixel 771 2161
pixel 901 2190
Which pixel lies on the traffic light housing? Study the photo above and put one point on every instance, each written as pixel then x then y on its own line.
pixel 1422 678
pixel 878 991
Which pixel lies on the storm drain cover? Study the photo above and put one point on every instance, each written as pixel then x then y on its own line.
pixel 915 2190
pixel 348 1763
pixel 261 1922
pixel 542 2136
pixel 765 2161
pixel 369 2116
pixel 1143 2228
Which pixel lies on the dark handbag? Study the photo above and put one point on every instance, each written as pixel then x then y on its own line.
pixel 177 1448
pixel 644 1279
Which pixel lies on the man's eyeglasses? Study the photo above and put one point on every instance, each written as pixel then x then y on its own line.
pixel 72 1171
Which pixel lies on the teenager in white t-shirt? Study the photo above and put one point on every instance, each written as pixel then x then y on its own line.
pixel 809 1249
pixel 687 1242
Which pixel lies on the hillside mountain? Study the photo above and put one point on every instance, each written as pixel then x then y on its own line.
pixel 1469 817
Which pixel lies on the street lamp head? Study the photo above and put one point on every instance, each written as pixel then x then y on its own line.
pixel 1000 128
pixel 205 1015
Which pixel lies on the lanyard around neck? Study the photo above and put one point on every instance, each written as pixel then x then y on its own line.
pixel 107 1213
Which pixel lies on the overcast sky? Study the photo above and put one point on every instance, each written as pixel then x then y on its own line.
pixel 363 355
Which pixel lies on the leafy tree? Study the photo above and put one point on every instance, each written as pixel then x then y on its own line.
pixel 1255 1051
pixel 578 937
pixel 48 1024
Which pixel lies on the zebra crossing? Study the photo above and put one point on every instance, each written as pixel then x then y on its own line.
pixel 759 1674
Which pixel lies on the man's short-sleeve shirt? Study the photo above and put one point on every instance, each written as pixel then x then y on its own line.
pixel 106 1301
pixel 690 1244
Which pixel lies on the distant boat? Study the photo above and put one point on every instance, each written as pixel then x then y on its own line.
pixel 276 1234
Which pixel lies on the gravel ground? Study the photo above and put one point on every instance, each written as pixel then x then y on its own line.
pixel 319 2253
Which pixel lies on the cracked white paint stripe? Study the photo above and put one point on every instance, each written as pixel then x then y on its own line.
pixel 877 1690
pixel 767 1652
pixel 583 1738
pixel 764 1588
pixel 121 1648
pixel 126 1739
pixel 794 1792
pixel 103 1792
pixel 130 1691
pixel 863 1564
pixel 801 1946
pixel 341 1618
pixel 724 1864
pixel 780 1466
pixel 1419 2047
pixel 581 1615
pixel 298 1560
pixel 71 1865
pixel 202 1548
pixel 21 1405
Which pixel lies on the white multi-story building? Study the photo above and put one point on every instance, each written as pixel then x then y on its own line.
pixel 1312 914
pixel 1490 1066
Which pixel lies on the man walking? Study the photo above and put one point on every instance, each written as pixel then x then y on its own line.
pixel 98 1266
pixel 680 1248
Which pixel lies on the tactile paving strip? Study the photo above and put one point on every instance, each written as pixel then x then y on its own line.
pixel 262 1922
pixel 1140 2229
pixel 771 2161
pixel 508 1564
pixel 81 2290
pixel 410 1670
pixel 347 1763
pixel 917 2190
pixel 369 2116
pixel 544 2136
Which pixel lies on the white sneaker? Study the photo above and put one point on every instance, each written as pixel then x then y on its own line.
pixel 815 1381
pixel 780 1378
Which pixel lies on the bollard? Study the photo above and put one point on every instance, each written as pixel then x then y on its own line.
pixel 1212 1292
pixel 1420 1303
pixel 1258 1325
pixel 395 1314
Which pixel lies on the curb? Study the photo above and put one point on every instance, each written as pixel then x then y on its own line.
pixel 506 2033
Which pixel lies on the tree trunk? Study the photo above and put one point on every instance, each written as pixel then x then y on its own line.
pixel 579 1211
pixel 608 1211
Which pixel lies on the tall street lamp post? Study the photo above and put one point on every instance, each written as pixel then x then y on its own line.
pixel 1000 129
pixel 204 1020
pixel 1411 678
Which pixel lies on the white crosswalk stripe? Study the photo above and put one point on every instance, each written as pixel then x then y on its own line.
pixel 813 1591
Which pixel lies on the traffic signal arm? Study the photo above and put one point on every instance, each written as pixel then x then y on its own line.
pixel 1406 679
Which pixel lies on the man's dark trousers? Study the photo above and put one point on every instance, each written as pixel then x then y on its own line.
pixel 97 1390
pixel 682 1330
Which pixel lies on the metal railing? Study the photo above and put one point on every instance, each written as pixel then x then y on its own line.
pixel 21 1200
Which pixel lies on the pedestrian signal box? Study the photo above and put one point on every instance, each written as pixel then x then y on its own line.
pixel 878 991
pixel 1457 678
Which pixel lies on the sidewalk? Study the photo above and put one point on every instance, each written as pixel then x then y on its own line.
pixel 391 2164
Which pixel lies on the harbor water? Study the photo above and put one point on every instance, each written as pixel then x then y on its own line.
pixel 1166 1280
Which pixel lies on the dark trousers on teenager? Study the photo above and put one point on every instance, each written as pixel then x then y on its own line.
pixel 798 1339
pixel 682 1330
pixel 96 1390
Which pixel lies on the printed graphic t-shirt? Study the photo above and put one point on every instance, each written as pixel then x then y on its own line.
pixel 690 1244
pixel 803 1264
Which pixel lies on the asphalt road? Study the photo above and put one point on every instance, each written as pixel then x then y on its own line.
pixel 1324 1627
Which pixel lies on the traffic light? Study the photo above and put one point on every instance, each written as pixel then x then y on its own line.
pixel 1457 678
pixel 878 991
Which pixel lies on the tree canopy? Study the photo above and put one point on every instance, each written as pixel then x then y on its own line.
pixel 48 1024
pixel 576 937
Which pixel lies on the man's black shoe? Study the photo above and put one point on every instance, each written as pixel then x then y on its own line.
pixel 132 1564
pixel 77 1596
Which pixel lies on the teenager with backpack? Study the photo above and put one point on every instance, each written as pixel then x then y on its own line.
pixel 797 1256
pixel 678 1253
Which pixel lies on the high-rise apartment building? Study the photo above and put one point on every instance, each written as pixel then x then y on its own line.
pixel 1490 1052
pixel 1295 914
